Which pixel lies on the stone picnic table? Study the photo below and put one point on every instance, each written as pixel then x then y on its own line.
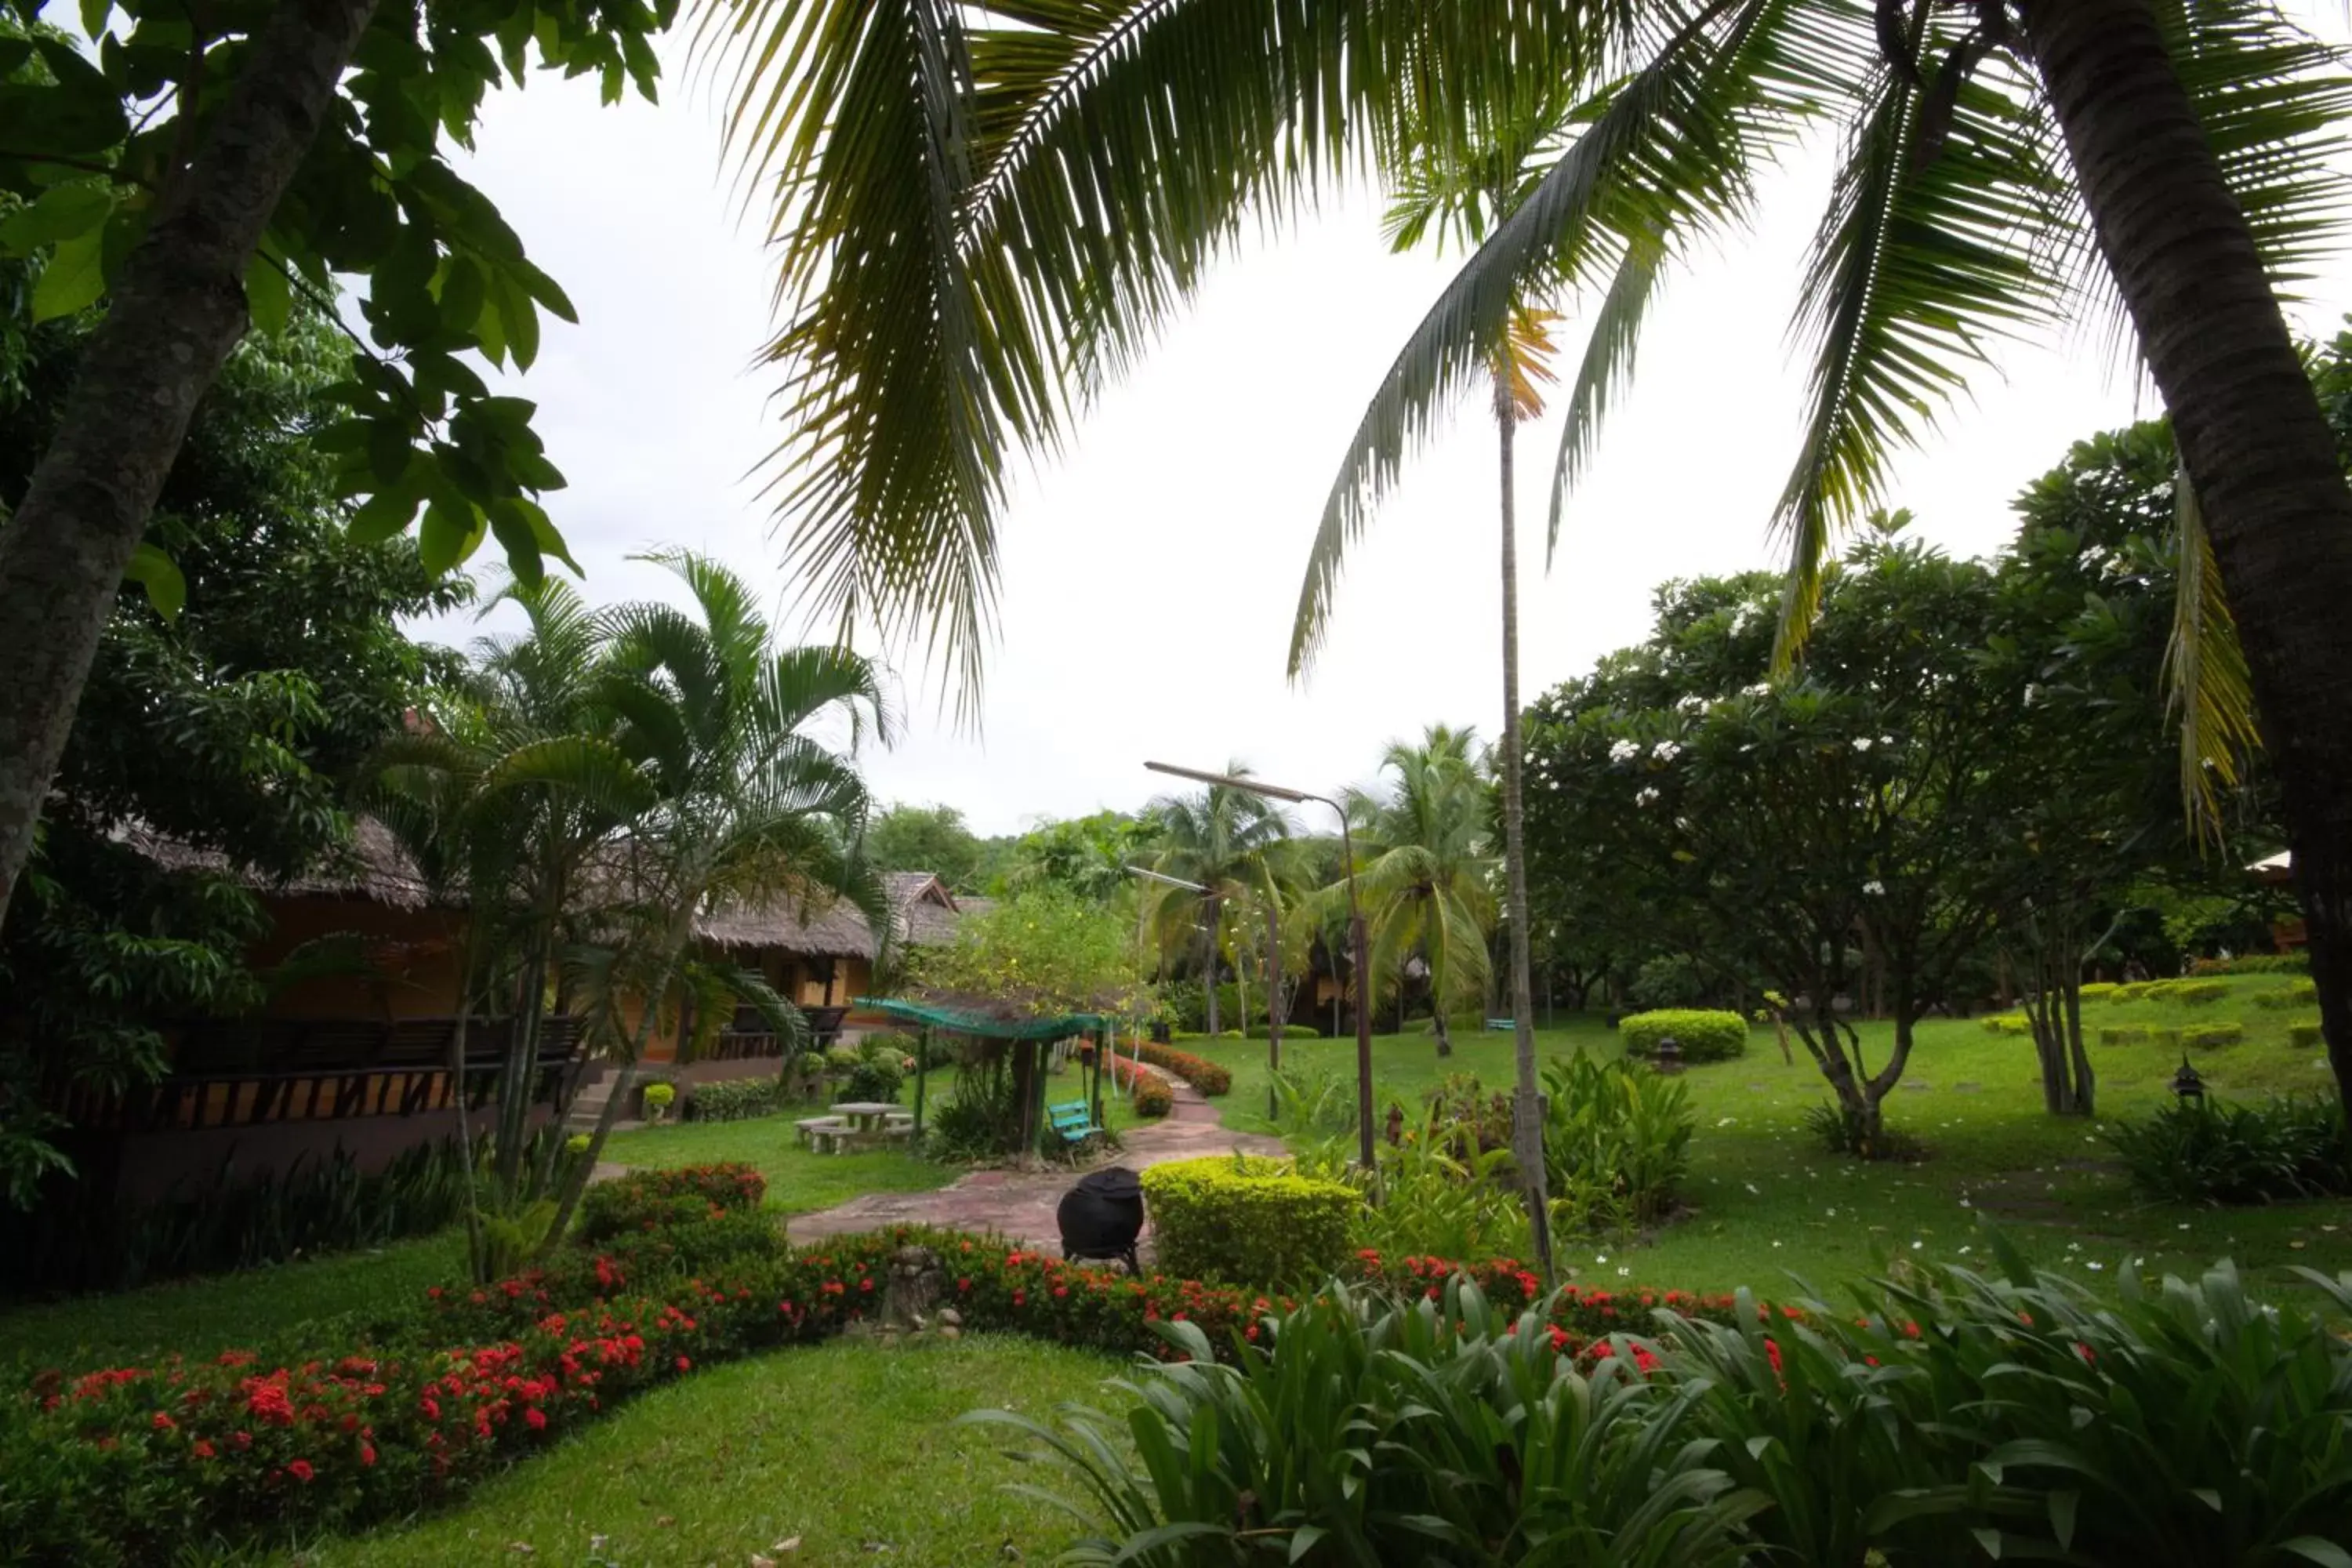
pixel 865 1115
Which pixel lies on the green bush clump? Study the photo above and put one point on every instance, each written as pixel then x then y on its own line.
pixel 1616 1144
pixel 1210 1077
pixel 2305 1034
pixel 1152 1098
pixel 658 1095
pixel 1289 1032
pixel 1843 1130
pixel 2125 1035
pixel 646 1200
pixel 2189 990
pixel 1703 1036
pixel 2007 1024
pixel 734 1100
pixel 2099 989
pixel 2214 1154
pixel 2134 992
pixel 2300 994
pixel 876 1078
pixel 2205 1035
pixel 1249 1221
pixel 841 1059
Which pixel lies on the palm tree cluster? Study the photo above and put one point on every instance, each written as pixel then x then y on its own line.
pixel 592 789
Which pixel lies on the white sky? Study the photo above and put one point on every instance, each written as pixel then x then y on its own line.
pixel 1149 575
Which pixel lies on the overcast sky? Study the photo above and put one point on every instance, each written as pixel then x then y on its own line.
pixel 1150 573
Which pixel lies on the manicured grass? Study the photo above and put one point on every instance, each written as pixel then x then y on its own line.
pixel 1767 1201
pixel 852 1447
pixel 203 1316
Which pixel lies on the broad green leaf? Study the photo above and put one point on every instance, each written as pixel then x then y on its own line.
pixel 94 13
pixel 462 294
pixel 447 536
pixel 2311 1548
pixel 388 449
pixel 61 212
pixel 74 279
pixel 166 588
pixel 522 541
pixel 268 296
pixel 542 288
pixel 389 511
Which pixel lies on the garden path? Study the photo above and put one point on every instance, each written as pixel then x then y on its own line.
pixel 1019 1204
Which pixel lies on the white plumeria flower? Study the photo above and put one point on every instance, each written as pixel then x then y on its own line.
pixel 1862 742
pixel 1874 887
pixel 1623 751
pixel 1665 751
pixel 1693 703
pixel 1761 688
pixel 1647 793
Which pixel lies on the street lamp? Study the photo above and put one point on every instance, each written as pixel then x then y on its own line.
pixel 1358 958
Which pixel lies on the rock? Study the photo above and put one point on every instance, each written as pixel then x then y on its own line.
pixel 911 1290
pixel 787 1546
pixel 951 1318
pixel 950 1331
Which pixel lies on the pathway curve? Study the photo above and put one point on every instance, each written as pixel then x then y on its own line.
pixel 1019 1204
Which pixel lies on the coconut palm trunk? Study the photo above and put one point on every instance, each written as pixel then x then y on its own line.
pixel 1526 1105
pixel 2249 431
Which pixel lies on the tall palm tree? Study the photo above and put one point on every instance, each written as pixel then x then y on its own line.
pixel 1427 868
pixel 984 210
pixel 1229 842
pixel 749 808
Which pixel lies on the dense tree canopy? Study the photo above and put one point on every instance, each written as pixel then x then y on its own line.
pixel 931 838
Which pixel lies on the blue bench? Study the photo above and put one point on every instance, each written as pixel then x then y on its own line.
pixel 1072 1121
pixel 1503 1026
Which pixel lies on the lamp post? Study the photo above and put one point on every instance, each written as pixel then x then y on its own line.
pixel 1358 958
pixel 1273 983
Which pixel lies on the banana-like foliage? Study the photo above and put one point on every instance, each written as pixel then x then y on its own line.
pixel 983 211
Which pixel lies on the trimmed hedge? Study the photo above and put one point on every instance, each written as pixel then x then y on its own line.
pixel 734 1100
pixel 2298 962
pixel 2098 989
pixel 2207 1035
pixel 2140 1035
pixel 2305 1034
pixel 2007 1024
pixel 1248 1220
pixel 2301 993
pixel 2191 991
pixel 1210 1077
pixel 1289 1032
pixel 1703 1036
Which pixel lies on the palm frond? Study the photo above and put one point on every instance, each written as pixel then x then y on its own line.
pixel 2207 684
pixel 1918 266
pixel 1605 370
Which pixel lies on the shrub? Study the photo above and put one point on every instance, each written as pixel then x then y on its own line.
pixel 2300 994
pixel 1152 1098
pixel 1289 1032
pixel 642 1200
pixel 2305 1034
pixel 2007 1024
pixel 1703 1037
pixel 2140 1035
pixel 2097 990
pixel 842 1058
pixel 2136 991
pixel 1210 1077
pixel 876 1079
pixel 1465 1118
pixel 2298 963
pixel 2190 991
pixel 2201 1154
pixel 1841 1130
pixel 1616 1144
pixel 2202 1036
pixel 658 1095
pixel 734 1100
pixel 1251 1221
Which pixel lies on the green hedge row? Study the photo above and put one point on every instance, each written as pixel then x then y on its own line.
pixel 1248 1220
pixel 1703 1036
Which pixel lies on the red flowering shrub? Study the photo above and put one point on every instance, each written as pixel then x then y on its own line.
pixel 646 1201
pixel 1210 1077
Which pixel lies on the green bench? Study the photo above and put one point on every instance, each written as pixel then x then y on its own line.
pixel 1501 1026
pixel 1072 1121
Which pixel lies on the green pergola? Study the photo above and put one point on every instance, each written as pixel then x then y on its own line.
pixel 944 1017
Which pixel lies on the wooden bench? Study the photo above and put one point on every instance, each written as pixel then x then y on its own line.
pixel 1072 1121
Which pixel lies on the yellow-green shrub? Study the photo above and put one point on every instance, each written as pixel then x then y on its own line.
pixel 2304 1034
pixel 1703 1036
pixel 2213 1034
pixel 2131 993
pixel 2007 1024
pixel 2188 990
pixel 1250 1221
pixel 2298 993
pixel 2099 988
pixel 2142 1034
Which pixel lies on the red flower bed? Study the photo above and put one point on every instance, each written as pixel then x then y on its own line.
pixel 131 1462
pixel 1210 1077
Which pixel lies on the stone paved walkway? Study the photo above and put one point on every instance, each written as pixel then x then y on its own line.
pixel 1019 1204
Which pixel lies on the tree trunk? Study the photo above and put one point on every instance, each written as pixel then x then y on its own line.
pixel 1209 907
pixel 1437 1020
pixel 2248 424
pixel 1527 1103
pixel 178 309
pixel 575 1182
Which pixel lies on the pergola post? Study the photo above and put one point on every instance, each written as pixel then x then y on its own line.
pixel 922 1071
pixel 1101 1038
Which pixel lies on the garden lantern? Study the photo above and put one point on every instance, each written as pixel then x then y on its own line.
pixel 1669 1056
pixel 2188 1084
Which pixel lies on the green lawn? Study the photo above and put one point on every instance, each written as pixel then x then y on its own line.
pixel 1767 1202
pixel 203 1316
pixel 853 1449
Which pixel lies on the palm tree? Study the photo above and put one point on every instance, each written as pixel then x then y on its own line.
pixel 1427 869
pixel 983 211
pixel 1229 842
pixel 749 808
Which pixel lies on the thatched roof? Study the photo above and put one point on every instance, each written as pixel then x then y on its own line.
pixel 372 867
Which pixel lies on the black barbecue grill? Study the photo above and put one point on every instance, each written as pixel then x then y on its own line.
pixel 1101 1216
